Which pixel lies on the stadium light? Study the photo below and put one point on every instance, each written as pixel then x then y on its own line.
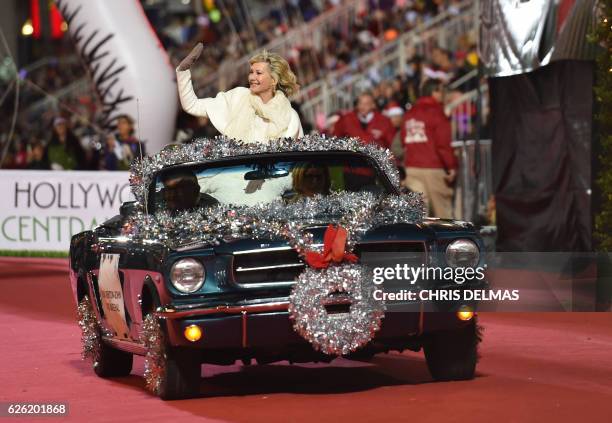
pixel 27 29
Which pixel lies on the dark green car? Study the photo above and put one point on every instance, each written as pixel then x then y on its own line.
pixel 301 251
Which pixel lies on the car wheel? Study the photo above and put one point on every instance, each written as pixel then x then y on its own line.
pixel 452 355
pixel 181 376
pixel 111 362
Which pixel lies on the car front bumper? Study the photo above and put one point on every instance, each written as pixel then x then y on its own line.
pixel 268 326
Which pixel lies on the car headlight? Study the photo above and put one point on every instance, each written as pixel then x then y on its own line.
pixel 187 275
pixel 462 253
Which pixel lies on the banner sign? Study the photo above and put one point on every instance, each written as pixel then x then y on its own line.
pixel 111 295
pixel 41 210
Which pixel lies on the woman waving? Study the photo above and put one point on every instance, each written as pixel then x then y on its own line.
pixel 259 113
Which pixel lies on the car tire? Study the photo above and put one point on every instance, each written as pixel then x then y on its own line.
pixel 112 362
pixel 182 375
pixel 452 355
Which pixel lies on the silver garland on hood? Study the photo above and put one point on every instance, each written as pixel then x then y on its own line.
pixel 204 149
pixel 90 331
pixel 336 333
pixel 357 212
pixel 155 361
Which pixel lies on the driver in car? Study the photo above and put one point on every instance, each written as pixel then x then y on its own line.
pixel 181 191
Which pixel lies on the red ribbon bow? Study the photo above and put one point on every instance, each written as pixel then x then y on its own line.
pixel 334 245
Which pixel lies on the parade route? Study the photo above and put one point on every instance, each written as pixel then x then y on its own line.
pixel 534 367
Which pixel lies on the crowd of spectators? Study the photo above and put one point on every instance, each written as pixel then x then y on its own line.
pixel 62 134
pixel 51 118
pixel 77 147
pixel 337 46
pixel 29 110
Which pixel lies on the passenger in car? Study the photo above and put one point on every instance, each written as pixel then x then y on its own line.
pixel 310 179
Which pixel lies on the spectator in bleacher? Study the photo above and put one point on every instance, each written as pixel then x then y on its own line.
pixel 440 67
pixel 204 129
pixel 20 155
pixel 413 80
pixel 113 158
pixel 366 123
pixel 125 137
pixel 386 94
pixel 396 114
pixel 36 159
pixel 466 61
pixel 64 151
pixel 428 156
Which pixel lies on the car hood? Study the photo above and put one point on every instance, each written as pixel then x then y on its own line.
pixel 384 233
pixel 426 231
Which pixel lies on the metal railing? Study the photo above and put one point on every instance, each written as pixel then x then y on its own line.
pixel 340 89
pixel 463 112
pixel 311 35
pixel 472 193
pixel 460 82
pixel 79 87
pixel 51 100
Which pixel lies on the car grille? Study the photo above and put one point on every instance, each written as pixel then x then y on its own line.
pixel 267 266
pixel 280 266
pixel 373 253
pixel 391 255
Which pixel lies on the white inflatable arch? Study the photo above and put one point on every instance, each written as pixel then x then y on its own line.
pixel 129 67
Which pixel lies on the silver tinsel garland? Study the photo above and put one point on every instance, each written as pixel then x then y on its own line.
pixel 155 359
pixel 341 333
pixel 357 212
pixel 203 150
pixel 90 331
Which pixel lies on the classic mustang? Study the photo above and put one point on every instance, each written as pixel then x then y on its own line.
pixel 291 250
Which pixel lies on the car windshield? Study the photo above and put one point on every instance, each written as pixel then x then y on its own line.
pixel 247 182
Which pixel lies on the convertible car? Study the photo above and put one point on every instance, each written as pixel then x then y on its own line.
pixel 289 250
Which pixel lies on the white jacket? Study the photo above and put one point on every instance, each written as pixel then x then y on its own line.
pixel 218 109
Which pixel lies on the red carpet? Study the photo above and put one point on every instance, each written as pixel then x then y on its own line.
pixel 535 367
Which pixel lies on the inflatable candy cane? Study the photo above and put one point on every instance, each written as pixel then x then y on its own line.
pixel 129 67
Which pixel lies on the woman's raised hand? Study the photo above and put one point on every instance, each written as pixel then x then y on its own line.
pixel 191 57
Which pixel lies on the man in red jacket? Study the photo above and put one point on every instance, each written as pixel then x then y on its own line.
pixel 366 123
pixel 428 156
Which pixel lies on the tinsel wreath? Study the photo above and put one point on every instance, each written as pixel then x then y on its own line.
pixel 335 333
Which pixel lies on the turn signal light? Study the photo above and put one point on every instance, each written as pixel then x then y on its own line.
pixel 193 333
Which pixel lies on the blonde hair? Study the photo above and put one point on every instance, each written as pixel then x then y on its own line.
pixel 298 176
pixel 285 79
